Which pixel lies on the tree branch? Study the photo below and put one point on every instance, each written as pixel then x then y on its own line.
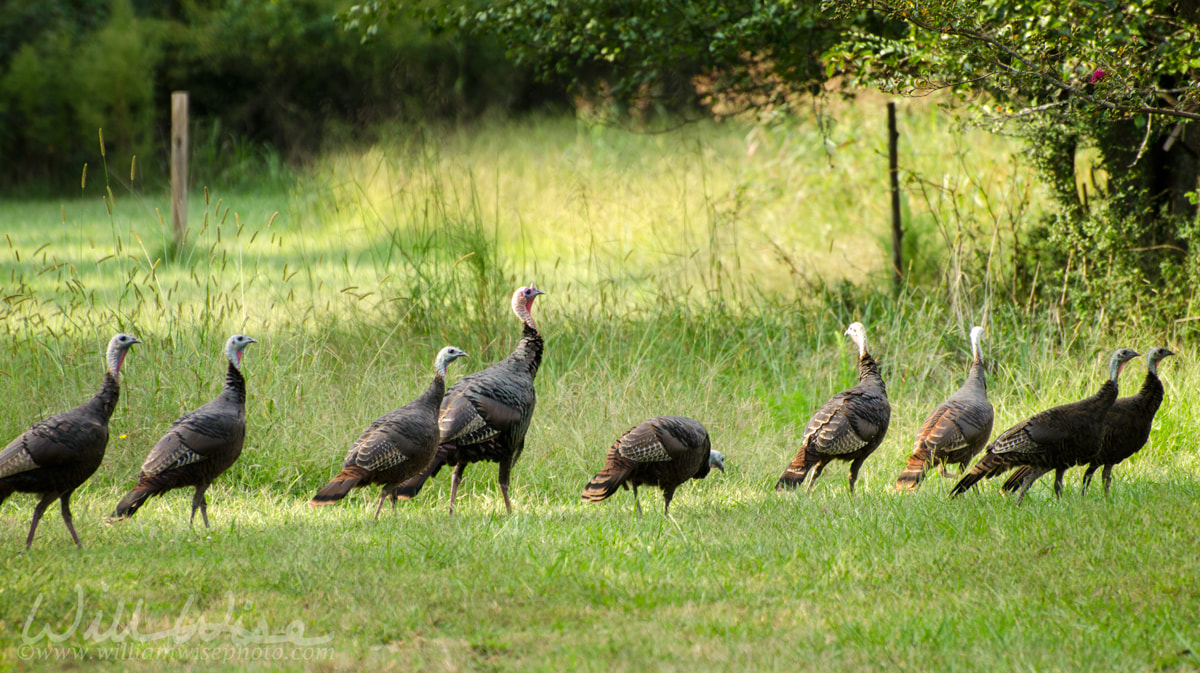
pixel 998 46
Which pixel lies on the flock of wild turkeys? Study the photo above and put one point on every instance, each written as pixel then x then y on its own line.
pixel 484 417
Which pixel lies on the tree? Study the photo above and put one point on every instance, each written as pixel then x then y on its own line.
pixel 1119 78
pixel 680 56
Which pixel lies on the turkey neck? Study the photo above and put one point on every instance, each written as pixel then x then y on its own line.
pixel 1151 393
pixel 1104 398
pixel 235 386
pixel 1108 392
pixel 529 350
pixel 432 397
pixel 868 372
pixel 976 376
pixel 105 401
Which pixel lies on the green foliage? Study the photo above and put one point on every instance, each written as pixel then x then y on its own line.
pixel 63 89
pixel 278 81
pixel 746 53
pixel 643 58
pixel 1114 79
pixel 432 225
pixel 23 20
pixel 114 72
pixel 220 157
pixel 1097 89
pixel 36 92
pixel 1032 53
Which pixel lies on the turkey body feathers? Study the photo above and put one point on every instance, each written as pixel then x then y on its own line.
pixel 494 404
pixel 956 430
pixel 396 446
pixel 849 427
pixel 665 451
pixel 1127 425
pixel 485 416
pixel 199 446
pixel 953 434
pixel 1054 439
pixel 1126 428
pixel 55 456
pixel 59 447
pixel 1125 431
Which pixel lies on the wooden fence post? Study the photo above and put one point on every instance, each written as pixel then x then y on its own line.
pixel 894 178
pixel 179 164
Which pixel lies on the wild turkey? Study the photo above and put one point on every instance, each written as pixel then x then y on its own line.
pixel 849 427
pixel 665 452
pixel 396 446
pixel 1126 427
pixel 1055 439
pixel 485 415
pixel 200 445
pixel 957 429
pixel 56 455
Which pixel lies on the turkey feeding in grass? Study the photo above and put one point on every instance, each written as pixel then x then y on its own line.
pixel 665 452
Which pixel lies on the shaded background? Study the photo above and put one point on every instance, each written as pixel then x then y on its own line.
pixel 271 84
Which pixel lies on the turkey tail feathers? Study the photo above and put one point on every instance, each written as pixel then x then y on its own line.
pixel 608 480
pixel 339 486
pixel 987 466
pixel 1014 480
pixel 914 472
pixel 130 504
pixel 794 475
pixel 790 481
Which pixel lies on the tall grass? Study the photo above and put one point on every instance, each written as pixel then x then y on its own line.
pixel 709 272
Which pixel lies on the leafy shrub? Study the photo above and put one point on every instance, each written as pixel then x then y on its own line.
pixel 39 124
pixel 283 77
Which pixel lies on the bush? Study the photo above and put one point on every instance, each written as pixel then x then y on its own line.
pixel 1120 243
pixel 40 122
pixel 282 77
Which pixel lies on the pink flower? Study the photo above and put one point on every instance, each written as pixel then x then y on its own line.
pixel 1098 76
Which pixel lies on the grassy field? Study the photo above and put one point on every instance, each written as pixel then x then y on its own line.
pixel 708 272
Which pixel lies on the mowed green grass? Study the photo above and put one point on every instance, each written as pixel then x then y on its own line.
pixel 738 578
